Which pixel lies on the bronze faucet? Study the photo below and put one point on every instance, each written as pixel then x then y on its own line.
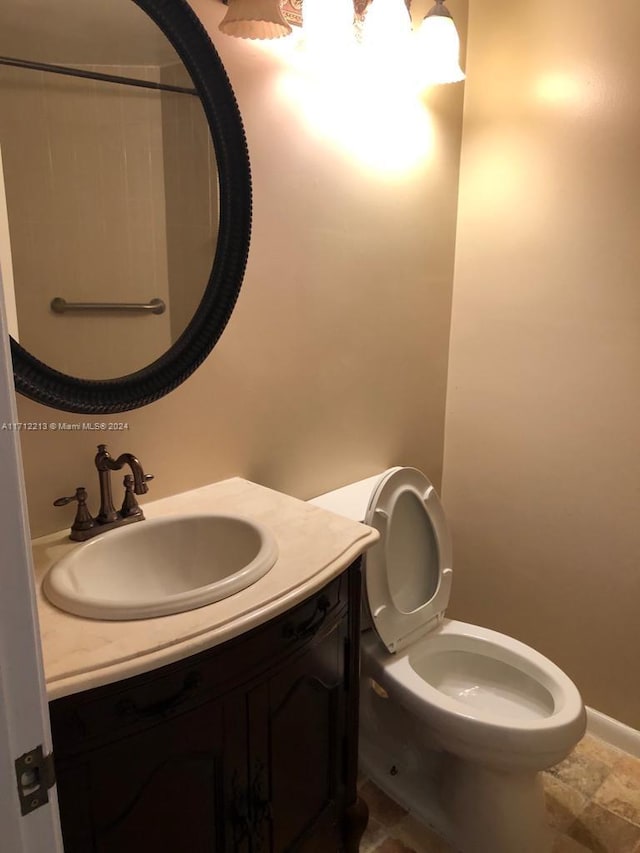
pixel 105 463
pixel 84 526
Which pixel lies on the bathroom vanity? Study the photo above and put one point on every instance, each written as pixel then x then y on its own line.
pixel 248 746
pixel 232 727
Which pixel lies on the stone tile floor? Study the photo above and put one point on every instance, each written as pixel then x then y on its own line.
pixel 593 804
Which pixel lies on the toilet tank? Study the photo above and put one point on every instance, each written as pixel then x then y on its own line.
pixel 350 501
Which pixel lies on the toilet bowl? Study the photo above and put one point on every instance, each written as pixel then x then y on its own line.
pixel 456 720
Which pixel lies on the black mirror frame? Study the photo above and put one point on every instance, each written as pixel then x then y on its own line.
pixel 41 383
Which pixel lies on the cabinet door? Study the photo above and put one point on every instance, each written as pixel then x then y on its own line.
pixel 297 760
pixel 160 790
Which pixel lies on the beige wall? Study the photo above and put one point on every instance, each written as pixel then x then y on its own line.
pixel 79 154
pixel 542 462
pixel 334 363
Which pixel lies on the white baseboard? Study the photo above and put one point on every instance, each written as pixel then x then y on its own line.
pixel 613 732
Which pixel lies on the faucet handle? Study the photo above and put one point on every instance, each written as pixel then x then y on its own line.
pixel 80 496
pixel 130 506
pixel 83 520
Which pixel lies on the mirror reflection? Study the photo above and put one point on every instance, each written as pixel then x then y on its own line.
pixel 108 191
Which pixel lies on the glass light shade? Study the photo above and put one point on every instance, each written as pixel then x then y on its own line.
pixel 327 25
pixel 387 23
pixel 438 46
pixel 254 19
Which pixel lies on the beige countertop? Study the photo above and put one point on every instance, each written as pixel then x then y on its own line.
pixel 314 547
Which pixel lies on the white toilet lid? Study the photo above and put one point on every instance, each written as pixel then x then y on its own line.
pixel 408 571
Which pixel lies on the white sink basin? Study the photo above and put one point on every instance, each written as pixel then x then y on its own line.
pixel 162 566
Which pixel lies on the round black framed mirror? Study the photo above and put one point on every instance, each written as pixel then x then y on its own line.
pixel 70 392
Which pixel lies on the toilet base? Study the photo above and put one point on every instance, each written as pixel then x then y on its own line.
pixel 475 808
pixel 494 810
pixel 414 788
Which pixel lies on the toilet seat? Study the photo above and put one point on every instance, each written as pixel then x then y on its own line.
pixel 408 572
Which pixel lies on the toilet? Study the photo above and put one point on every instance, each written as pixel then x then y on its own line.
pixel 456 721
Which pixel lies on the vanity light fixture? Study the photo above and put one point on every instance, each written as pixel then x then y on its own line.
pixel 438 44
pixel 387 23
pixel 333 25
pixel 328 26
pixel 255 19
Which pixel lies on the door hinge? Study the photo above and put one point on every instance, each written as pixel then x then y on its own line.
pixel 35 774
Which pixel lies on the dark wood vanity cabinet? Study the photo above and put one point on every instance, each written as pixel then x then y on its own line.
pixel 250 747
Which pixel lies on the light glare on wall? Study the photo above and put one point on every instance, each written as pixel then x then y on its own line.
pixel 388 135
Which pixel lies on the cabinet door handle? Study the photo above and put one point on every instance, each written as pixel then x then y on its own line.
pixel 127 707
pixel 310 626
